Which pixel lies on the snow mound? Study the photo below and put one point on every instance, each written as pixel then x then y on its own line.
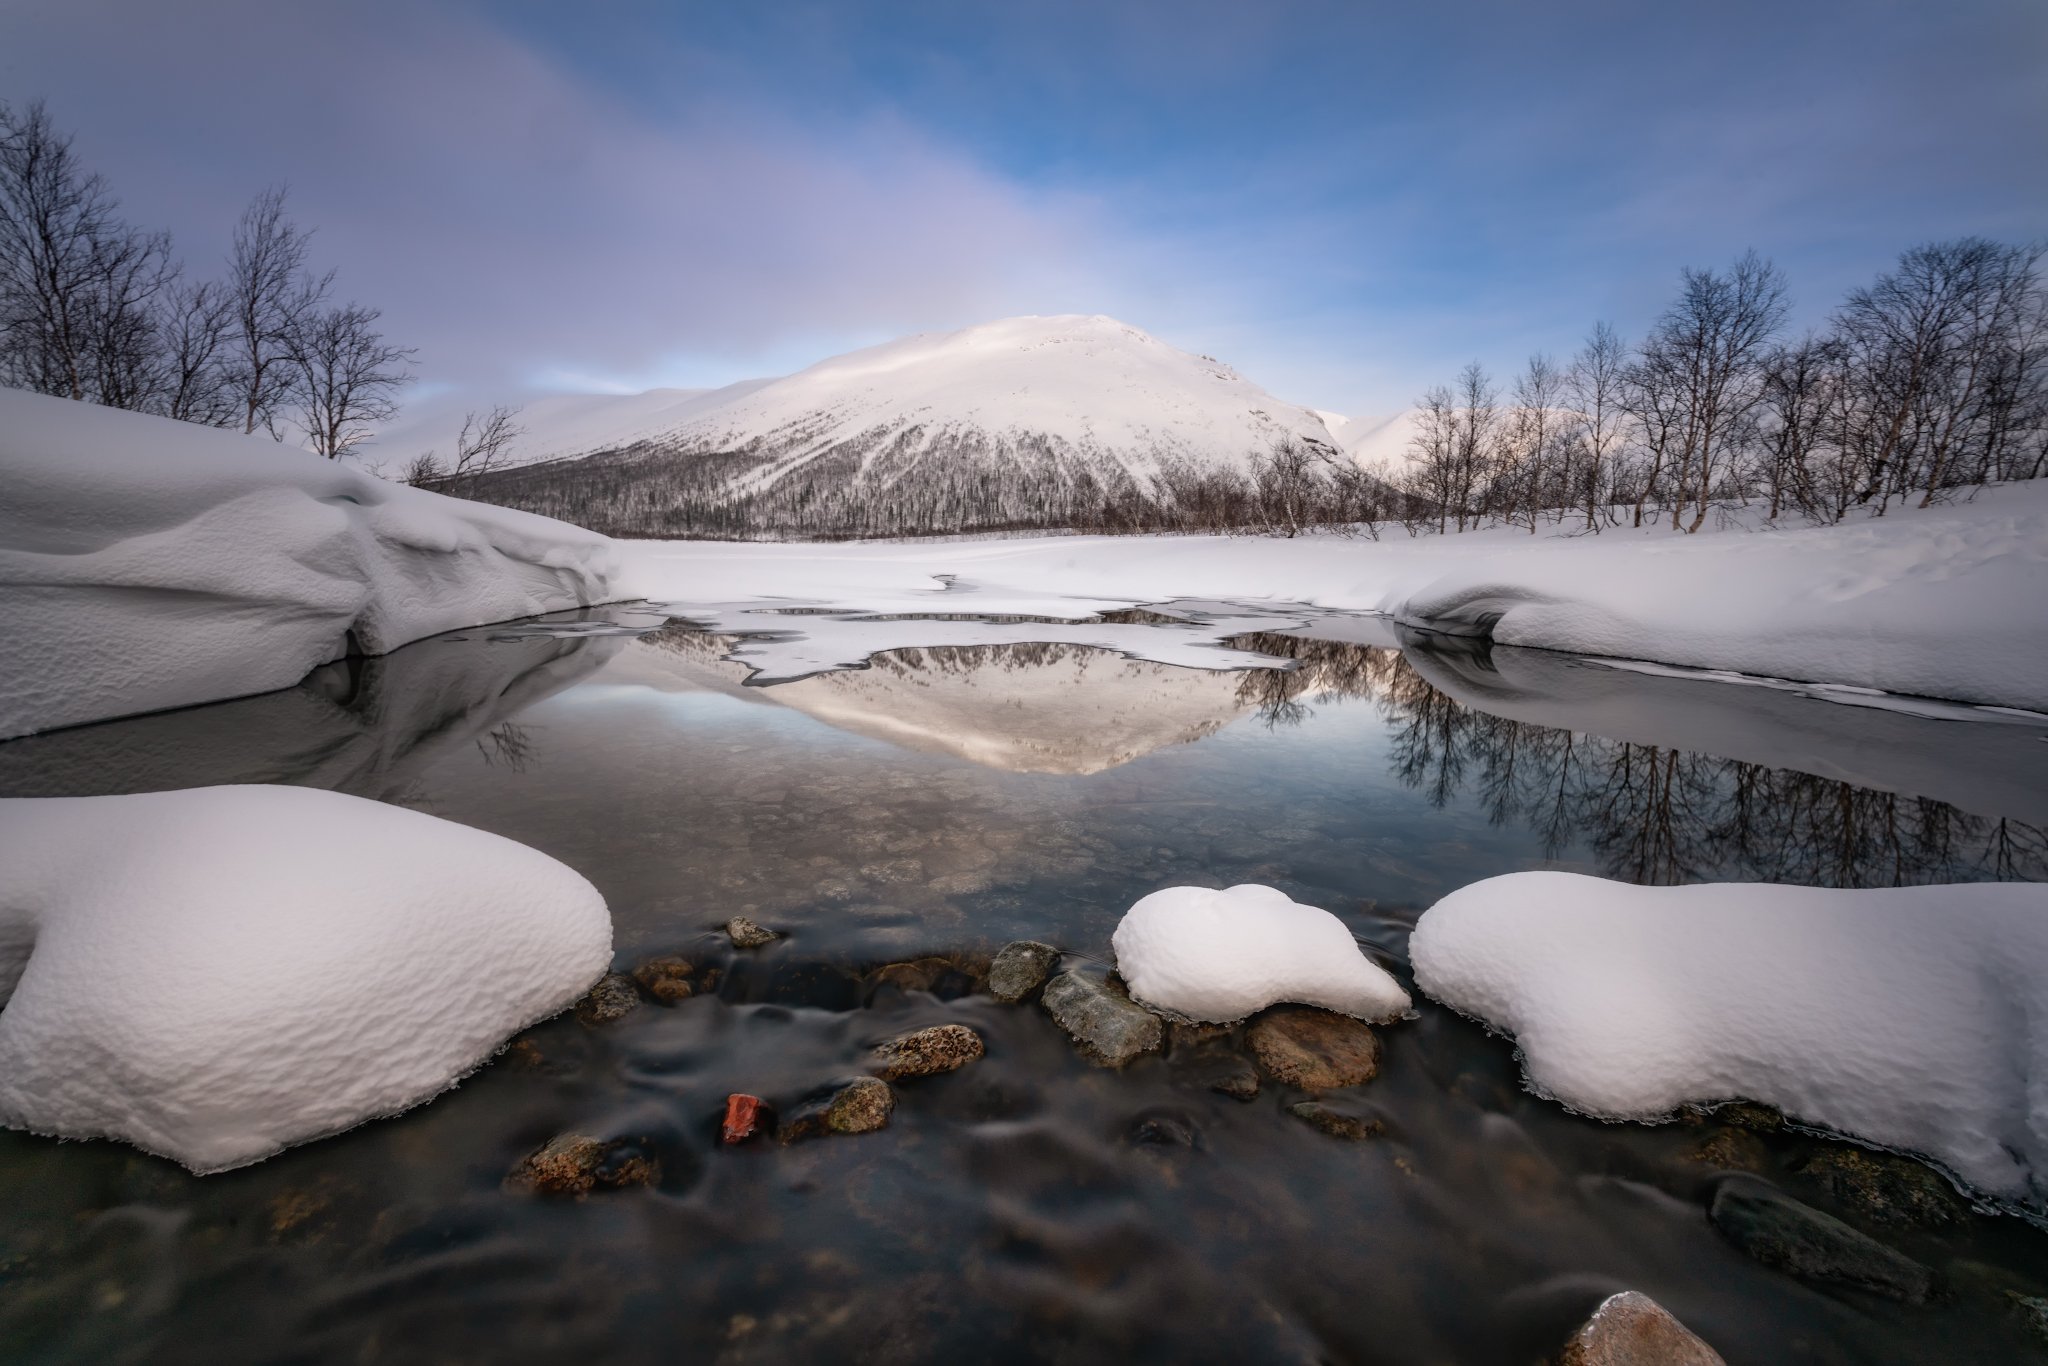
pixel 1915 1018
pixel 146 563
pixel 1222 955
pixel 216 973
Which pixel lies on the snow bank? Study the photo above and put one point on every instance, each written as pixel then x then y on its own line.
pixel 1218 956
pixel 1915 1018
pixel 146 563
pixel 216 973
pixel 1940 602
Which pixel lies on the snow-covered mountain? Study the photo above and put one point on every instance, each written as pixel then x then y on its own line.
pixel 1085 386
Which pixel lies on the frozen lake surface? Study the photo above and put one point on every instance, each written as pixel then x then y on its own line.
pixel 981 777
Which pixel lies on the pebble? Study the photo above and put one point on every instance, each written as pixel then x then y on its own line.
pixel 927 1052
pixel 859 1107
pixel 1631 1329
pixel 666 979
pixel 612 998
pixel 1801 1241
pixel 577 1164
pixel 745 934
pixel 1312 1049
pixel 1335 1123
pixel 745 1116
pixel 1102 1020
pixel 1021 968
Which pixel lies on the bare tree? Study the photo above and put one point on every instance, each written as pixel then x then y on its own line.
pixel 1287 477
pixel 348 377
pixel 1526 472
pixel 1477 421
pixel 273 295
pixel 480 448
pixel 77 283
pixel 1432 480
pixel 1596 385
pixel 193 329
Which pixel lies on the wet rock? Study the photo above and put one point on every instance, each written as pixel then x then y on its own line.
pixel 577 1164
pixel 1801 1241
pixel 1631 1329
pixel 1164 1129
pixel 666 979
pixel 1234 1078
pixel 2032 1311
pixel 1746 1114
pixel 1102 1020
pixel 1889 1188
pixel 1021 968
pixel 1731 1150
pixel 944 977
pixel 859 1107
pixel 1335 1123
pixel 745 934
pixel 1313 1049
pixel 928 1052
pixel 612 998
pixel 745 1116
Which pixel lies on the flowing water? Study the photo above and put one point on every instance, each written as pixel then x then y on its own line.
pixel 922 811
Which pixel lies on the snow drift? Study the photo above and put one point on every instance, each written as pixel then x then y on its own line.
pixel 216 973
pixel 1222 955
pixel 146 563
pixel 1915 1018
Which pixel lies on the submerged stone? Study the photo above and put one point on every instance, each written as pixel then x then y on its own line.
pixel 1801 1241
pixel 666 979
pixel 859 1107
pixel 1335 1123
pixel 1313 1049
pixel 577 1164
pixel 745 934
pixel 1889 1188
pixel 1631 1329
pixel 1020 968
pixel 1100 1017
pixel 927 1052
pixel 612 998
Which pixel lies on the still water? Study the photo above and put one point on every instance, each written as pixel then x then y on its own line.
pixel 932 806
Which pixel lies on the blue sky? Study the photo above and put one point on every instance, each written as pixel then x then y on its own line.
pixel 1346 202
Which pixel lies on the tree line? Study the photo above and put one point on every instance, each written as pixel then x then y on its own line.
pixel 1931 379
pixel 95 308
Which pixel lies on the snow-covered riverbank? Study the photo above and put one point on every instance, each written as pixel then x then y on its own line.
pixel 1942 602
pixel 146 563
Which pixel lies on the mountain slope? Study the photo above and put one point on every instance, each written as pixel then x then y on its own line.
pixel 1010 423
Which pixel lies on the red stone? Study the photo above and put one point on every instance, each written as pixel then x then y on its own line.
pixel 742 1116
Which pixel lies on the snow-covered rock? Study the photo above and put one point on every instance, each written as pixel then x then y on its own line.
pixel 1222 955
pixel 146 563
pixel 1915 1018
pixel 216 973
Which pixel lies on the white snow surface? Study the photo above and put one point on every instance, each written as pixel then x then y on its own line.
pixel 1937 602
pixel 146 563
pixel 1091 386
pixel 1912 1018
pixel 216 973
pixel 1216 956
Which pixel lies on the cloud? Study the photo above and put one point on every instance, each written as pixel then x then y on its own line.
pixel 510 218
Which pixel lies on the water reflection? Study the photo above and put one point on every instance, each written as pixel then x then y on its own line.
pixel 1656 813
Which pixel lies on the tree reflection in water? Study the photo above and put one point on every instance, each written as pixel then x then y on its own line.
pixel 1649 813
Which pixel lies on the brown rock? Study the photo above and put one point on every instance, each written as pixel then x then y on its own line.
pixel 666 979
pixel 1312 1049
pixel 928 1052
pixel 1239 1081
pixel 612 998
pixel 1889 1188
pixel 1731 1150
pixel 1631 1329
pixel 576 1164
